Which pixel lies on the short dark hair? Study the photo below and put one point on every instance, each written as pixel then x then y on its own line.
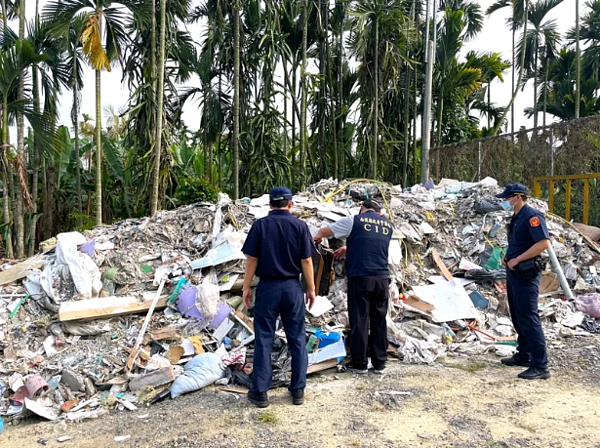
pixel 280 203
pixel 370 204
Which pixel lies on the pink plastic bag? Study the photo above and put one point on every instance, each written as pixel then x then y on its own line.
pixel 589 304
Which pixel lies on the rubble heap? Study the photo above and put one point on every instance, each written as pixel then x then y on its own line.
pixel 129 313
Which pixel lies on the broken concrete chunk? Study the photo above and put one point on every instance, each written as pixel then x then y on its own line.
pixel 73 380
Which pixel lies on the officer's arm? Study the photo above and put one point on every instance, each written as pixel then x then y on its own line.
pixel 534 251
pixel 324 232
pixel 251 264
pixel 308 275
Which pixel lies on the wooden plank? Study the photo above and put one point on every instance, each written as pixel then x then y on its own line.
pixel 586 201
pixel 106 307
pixel 20 270
pixel 551 197
pixel 329 364
pixel 438 260
pixel 568 201
pixel 571 176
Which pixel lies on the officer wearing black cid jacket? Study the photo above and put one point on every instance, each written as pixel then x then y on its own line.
pixel 368 236
pixel 279 247
pixel 527 238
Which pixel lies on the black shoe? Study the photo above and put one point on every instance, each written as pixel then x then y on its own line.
pixel 535 373
pixel 258 399
pixel 515 360
pixel 379 370
pixel 297 396
pixel 360 371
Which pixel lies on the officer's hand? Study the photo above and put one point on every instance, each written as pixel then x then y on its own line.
pixel 318 239
pixel 310 299
pixel 512 264
pixel 247 297
pixel 340 253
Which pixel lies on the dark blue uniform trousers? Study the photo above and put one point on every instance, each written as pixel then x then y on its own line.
pixel 274 298
pixel 523 303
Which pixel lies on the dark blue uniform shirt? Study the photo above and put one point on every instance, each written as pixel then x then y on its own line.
pixel 525 229
pixel 368 246
pixel 280 241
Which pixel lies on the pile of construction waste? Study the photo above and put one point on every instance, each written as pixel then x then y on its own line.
pixel 129 313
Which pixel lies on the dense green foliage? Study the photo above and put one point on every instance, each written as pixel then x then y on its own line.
pixel 287 92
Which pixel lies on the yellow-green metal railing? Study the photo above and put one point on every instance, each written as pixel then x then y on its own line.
pixel 537 192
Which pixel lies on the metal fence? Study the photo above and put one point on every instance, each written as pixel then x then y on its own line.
pixel 557 150
pixel 564 148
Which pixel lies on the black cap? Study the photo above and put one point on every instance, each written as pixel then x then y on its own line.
pixel 511 190
pixel 279 193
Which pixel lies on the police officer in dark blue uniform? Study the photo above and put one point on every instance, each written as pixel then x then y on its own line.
pixel 278 248
pixel 367 246
pixel 527 238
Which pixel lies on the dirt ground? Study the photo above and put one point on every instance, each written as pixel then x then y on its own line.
pixel 456 402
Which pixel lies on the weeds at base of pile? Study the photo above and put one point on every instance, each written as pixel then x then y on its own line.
pixel 267 417
pixel 109 402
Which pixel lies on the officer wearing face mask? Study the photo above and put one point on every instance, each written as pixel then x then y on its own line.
pixel 527 238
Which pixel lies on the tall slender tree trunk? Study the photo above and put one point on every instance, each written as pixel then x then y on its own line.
pixel 321 101
pixel 219 137
pixel 341 157
pixel 578 56
pixel 512 80
pixel 515 91
pixel 294 97
pixel 376 103
pixel 489 102
pixel 416 119
pixel 153 62
pixel 545 94
pixel 19 218
pixel 98 149
pixel 331 95
pixel 236 100
pixel 7 175
pixel 159 107
pixel 535 84
pixel 408 77
pixel 303 136
pixel 75 122
pixel 36 153
pixel 34 165
pixel 6 203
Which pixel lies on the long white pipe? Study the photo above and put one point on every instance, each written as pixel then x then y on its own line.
pixel 561 275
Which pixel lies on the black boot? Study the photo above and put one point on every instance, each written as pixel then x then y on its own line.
pixel 515 360
pixel 258 399
pixel 535 373
pixel 297 396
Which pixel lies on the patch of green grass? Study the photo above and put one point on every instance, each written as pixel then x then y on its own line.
pixel 267 417
pixel 471 367
pixel 361 387
pixel 494 443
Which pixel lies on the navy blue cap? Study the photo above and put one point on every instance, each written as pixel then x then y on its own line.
pixel 279 193
pixel 512 190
